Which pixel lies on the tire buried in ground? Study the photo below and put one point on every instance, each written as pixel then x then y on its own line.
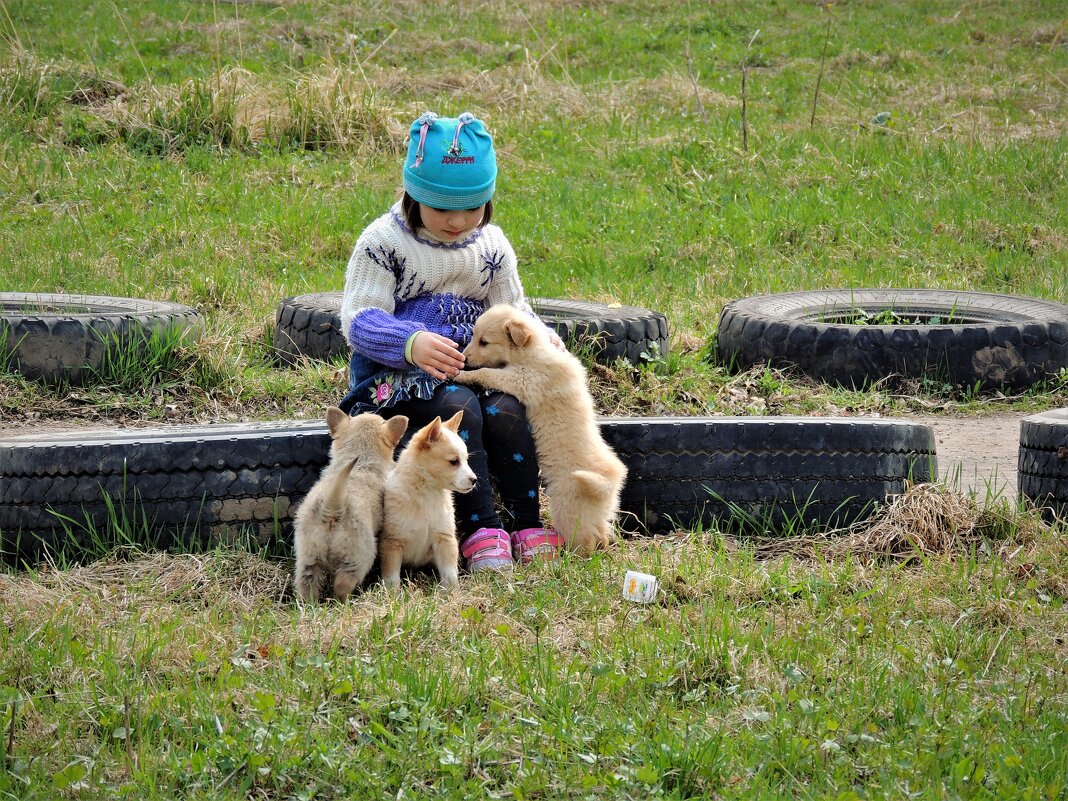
pixel 65 338
pixel 610 332
pixel 310 326
pixel 186 487
pixel 858 337
pixel 190 487
pixel 1042 469
pixel 765 474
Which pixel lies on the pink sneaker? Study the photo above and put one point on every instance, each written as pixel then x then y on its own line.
pixel 542 544
pixel 487 549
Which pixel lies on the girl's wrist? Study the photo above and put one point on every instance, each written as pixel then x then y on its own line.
pixel 408 347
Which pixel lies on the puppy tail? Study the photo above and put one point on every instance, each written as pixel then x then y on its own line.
pixel 334 501
pixel 592 485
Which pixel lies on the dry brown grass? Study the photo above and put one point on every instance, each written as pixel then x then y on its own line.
pixel 351 108
pixel 926 520
pixel 126 601
pixel 333 108
pixel 620 391
pixel 190 591
pixel 36 84
pixel 524 84
pixel 128 580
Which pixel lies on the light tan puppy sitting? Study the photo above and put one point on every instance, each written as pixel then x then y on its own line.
pixel 420 522
pixel 583 476
pixel 337 523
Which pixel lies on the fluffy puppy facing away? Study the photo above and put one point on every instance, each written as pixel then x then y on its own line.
pixel 420 524
pixel 512 353
pixel 335 528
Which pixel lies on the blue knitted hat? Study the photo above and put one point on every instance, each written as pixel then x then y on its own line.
pixel 450 163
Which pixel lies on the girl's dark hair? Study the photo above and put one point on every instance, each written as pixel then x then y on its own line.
pixel 410 210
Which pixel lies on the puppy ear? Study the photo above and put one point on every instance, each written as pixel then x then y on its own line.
pixel 334 419
pixel 453 423
pixel 394 430
pixel 519 332
pixel 430 433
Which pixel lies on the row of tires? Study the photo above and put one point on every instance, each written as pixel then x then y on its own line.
pixel 853 338
pixel 194 486
pixel 66 338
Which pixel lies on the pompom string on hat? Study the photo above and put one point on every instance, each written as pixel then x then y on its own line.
pixel 425 121
pixel 461 121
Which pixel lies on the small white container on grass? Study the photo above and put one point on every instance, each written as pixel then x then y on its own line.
pixel 639 587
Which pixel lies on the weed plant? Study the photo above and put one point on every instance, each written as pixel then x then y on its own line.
pixel 131 363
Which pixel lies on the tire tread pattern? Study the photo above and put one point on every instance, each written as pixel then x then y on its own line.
pixel 1000 341
pixel 1042 467
pixel 309 326
pixel 200 484
pixel 62 338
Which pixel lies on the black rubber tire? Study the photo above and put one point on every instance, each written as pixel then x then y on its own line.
pixel 59 338
pixel 996 341
pixel 1042 469
pixel 310 326
pixel 765 473
pixel 193 486
pixel 610 332
pixel 186 486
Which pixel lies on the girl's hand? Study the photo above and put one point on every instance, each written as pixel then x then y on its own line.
pixel 437 355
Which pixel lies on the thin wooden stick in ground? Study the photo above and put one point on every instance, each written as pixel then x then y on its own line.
pixel 819 77
pixel 131 762
pixel 745 69
pixel 696 87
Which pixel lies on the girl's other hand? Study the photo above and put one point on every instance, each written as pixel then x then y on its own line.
pixel 437 355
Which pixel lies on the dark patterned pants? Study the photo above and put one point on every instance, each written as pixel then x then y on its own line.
pixel 499 446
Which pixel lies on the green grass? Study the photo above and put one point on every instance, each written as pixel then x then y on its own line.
pixel 228 154
pixel 192 677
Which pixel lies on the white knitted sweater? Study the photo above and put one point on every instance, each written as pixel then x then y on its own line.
pixel 423 283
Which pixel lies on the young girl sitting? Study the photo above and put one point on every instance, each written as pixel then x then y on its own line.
pixel 419 277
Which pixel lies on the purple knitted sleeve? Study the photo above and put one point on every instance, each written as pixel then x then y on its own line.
pixel 381 337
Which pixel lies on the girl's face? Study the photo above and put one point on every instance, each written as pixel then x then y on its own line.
pixel 450 225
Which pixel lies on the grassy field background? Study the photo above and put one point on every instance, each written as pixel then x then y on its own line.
pixel 227 154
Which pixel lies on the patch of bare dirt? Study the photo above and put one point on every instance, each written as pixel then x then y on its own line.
pixel 978 454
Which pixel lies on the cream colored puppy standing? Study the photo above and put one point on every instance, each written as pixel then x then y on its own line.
pixel 420 522
pixel 336 525
pixel 583 476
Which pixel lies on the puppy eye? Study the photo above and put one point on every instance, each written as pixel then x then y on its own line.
pixel 454 462
pixel 482 342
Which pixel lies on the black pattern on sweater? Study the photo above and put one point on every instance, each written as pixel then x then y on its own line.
pixel 492 263
pixel 389 260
